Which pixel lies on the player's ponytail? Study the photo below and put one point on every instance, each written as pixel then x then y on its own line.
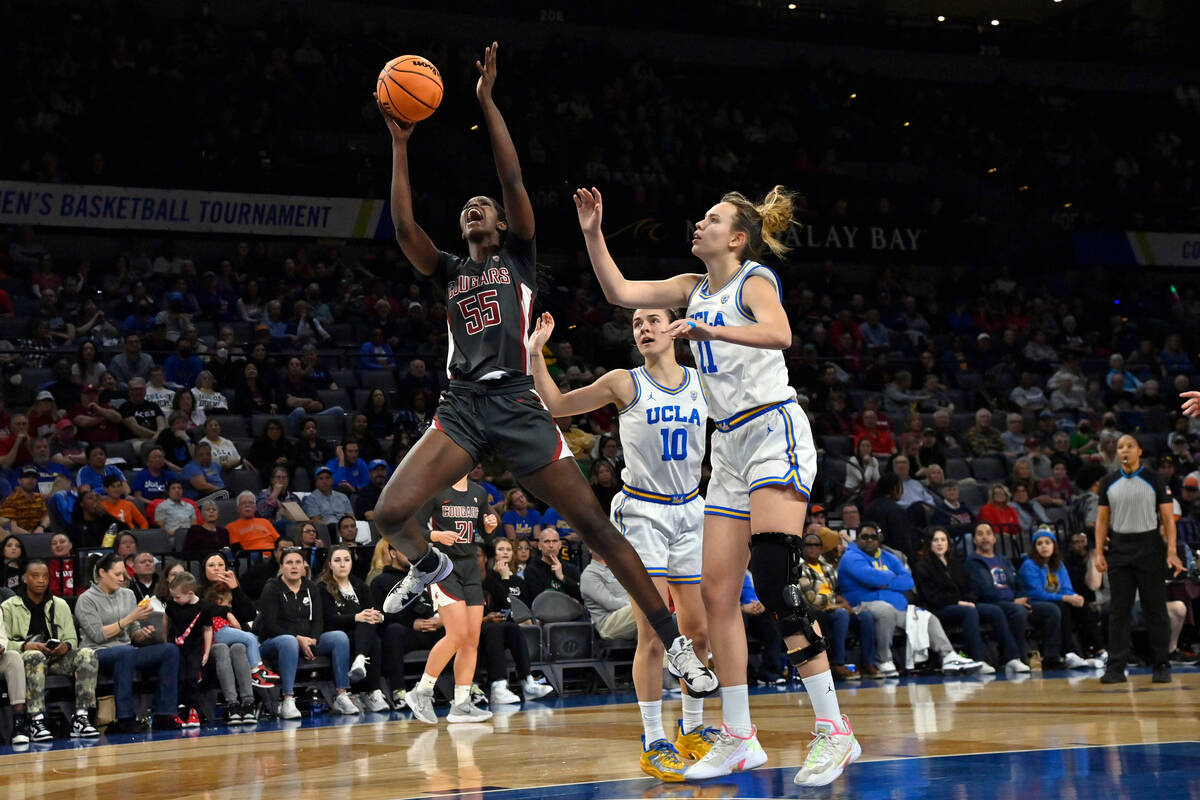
pixel 763 222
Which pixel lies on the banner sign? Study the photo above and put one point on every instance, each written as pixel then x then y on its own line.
pixel 184 211
pixel 1142 248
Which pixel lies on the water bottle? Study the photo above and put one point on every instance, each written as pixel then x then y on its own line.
pixel 316 705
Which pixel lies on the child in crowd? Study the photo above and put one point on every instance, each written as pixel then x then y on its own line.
pixel 236 687
pixel 189 626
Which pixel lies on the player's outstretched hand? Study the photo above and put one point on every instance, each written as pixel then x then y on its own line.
pixel 400 131
pixel 590 207
pixel 487 72
pixel 1191 403
pixel 541 332
pixel 692 329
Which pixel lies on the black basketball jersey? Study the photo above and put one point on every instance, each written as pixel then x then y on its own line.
pixel 462 512
pixel 488 308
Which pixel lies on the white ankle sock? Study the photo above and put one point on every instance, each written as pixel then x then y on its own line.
pixel 462 694
pixel 499 685
pixel 735 710
pixel 823 696
pixel 652 721
pixel 693 713
pixel 427 682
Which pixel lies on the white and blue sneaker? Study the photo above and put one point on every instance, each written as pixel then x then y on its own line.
pixel 404 593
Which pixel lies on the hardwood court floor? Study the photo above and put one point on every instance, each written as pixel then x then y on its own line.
pixel 920 739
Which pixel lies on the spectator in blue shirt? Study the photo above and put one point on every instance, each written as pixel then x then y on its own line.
pixel 182 368
pixel 1043 577
pixel 350 472
pixel 995 581
pixel 494 495
pixel 151 482
pixel 520 520
pixel 760 624
pixel 569 536
pixel 97 468
pixel 376 354
pixel 202 475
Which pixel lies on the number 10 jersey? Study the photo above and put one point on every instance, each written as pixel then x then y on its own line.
pixel 663 437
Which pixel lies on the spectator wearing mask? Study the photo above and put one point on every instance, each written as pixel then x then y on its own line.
pixel 291 626
pixel 875 579
pixel 111 622
pixel 348 606
pixel 31 621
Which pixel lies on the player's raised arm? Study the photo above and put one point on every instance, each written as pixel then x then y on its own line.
pixel 615 386
pixel 416 244
pixel 508 167
pixel 669 293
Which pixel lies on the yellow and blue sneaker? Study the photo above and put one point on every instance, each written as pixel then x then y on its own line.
pixel 695 744
pixel 661 760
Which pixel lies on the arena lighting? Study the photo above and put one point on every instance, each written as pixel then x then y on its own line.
pixel 1067 205
pixel 853 95
pixel 907 124
pixel 1023 188
pixel 941 18
pixel 791 6
pixel 995 22
pixel 991 170
pixel 474 127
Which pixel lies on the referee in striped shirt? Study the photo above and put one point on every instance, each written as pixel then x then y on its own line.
pixel 1134 502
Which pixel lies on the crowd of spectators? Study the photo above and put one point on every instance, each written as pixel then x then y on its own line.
pixel 953 150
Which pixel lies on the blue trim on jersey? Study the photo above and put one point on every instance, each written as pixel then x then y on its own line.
pixel 745 312
pixel 661 499
pixel 732 278
pixel 791 478
pixel 742 417
pixel 722 511
pixel 687 378
pixel 790 431
pixel 695 288
pixel 637 394
pixel 684 581
pixel 617 518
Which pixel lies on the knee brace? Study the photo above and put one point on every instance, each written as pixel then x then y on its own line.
pixel 775 568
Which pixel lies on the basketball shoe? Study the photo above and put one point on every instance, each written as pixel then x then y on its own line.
pixel 695 744
pixel 683 663
pixel 409 589
pixel 830 751
pixel 660 760
pixel 729 753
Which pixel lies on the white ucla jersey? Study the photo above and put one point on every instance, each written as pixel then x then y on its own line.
pixel 662 435
pixel 736 378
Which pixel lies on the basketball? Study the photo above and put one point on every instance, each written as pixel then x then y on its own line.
pixel 409 88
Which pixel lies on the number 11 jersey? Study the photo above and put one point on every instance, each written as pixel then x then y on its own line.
pixel 662 436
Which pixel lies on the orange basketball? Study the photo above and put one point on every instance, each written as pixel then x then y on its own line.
pixel 409 88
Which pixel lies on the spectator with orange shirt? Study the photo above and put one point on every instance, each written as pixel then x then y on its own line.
pixel 117 506
pixel 248 531
pixel 881 439
pixel 999 512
